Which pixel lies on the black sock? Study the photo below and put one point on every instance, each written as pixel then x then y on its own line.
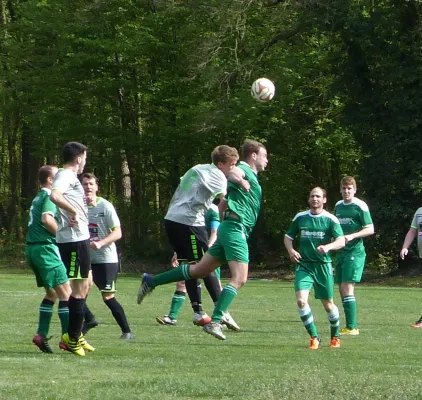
pixel 118 314
pixel 193 287
pixel 213 286
pixel 88 315
pixel 76 317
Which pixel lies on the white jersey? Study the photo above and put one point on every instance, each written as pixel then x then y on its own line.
pixel 417 224
pixel 102 219
pixel 67 183
pixel 195 193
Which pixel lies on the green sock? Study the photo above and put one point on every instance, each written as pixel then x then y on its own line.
pixel 181 273
pixel 334 318
pixel 308 320
pixel 350 311
pixel 46 312
pixel 226 298
pixel 177 302
pixel 63 312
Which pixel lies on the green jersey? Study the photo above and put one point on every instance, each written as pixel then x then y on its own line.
pixel 37 233
pixel 353 217
pixel 311 231
pixel 212 218
pixel 245 204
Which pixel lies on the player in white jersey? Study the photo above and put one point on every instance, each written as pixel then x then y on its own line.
pixel 415 230
pixel 73 240
pixel 185 220
pixel 104 229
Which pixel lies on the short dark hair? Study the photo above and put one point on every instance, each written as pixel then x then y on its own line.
pixel 250 146
pixel 45 172
pixel 89 175
pixel 73 150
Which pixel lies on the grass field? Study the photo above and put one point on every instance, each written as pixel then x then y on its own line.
pixel 269 359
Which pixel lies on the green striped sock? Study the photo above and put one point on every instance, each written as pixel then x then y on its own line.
pixel 350 311
pixel 181 273
pixel 226 298
pixel 46 312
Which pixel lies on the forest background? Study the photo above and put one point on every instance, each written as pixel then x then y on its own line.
pixel 151 87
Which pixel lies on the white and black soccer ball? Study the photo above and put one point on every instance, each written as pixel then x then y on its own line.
pixel 263 90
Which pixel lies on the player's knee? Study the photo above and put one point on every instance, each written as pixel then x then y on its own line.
pixel 301 303
pixel 107 296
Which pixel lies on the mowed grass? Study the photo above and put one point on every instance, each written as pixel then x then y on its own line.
pixel 269 359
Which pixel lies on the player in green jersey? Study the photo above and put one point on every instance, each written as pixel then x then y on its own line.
pixel 317 233
pixel 240 211
pixel 415 231
pixel 43 257
pixel 356 222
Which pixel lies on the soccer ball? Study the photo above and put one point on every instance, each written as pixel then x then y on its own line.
pixel 263 90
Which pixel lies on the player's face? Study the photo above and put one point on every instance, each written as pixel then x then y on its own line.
pixel 82 162
pixel 348 192
pixel 317 200
pixel 261 160
pixel 90 186
pixel 226 167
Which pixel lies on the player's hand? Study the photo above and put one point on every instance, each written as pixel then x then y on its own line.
pixel 95 245
pixel 174 261
pixel 323 249
pixel 295 256
pixel 74 221
pixel 348 238
pixel 88 199
pixel 245 185
pixel 403 252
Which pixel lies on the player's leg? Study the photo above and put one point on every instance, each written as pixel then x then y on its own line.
pixel 186 244
pixel 177 302
pixel 76 257
pixel 90 321
pixel 302 285
pixel 207 264
pixel 351 272
pixel 105 277
pixel 231 245
pixel 63 292
pixel 50 273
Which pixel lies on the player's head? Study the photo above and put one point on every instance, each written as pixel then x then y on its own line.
pixel 317 198
pixel 255 154
pixel 74 153
pixel 46 175
pixel 348 188
pixel 90 184
pixel 224 158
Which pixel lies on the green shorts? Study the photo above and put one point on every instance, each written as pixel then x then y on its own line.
pixel 349 267
pixel 231 243
pixel 45 262
pixel 318 275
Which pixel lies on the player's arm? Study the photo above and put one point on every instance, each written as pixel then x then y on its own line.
pixel 113 236
pixel 222 207
pixel 336 244
pixel 237 175
pixel 408 240
pixel 58 199
pixel 364 232
pixel 293 254
pixel 49 222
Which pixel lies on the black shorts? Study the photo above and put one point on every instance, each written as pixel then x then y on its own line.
pixel 76 258
pixel 189 242
pixel 105 276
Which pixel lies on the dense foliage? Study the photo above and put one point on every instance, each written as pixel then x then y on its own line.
pixel 152 86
